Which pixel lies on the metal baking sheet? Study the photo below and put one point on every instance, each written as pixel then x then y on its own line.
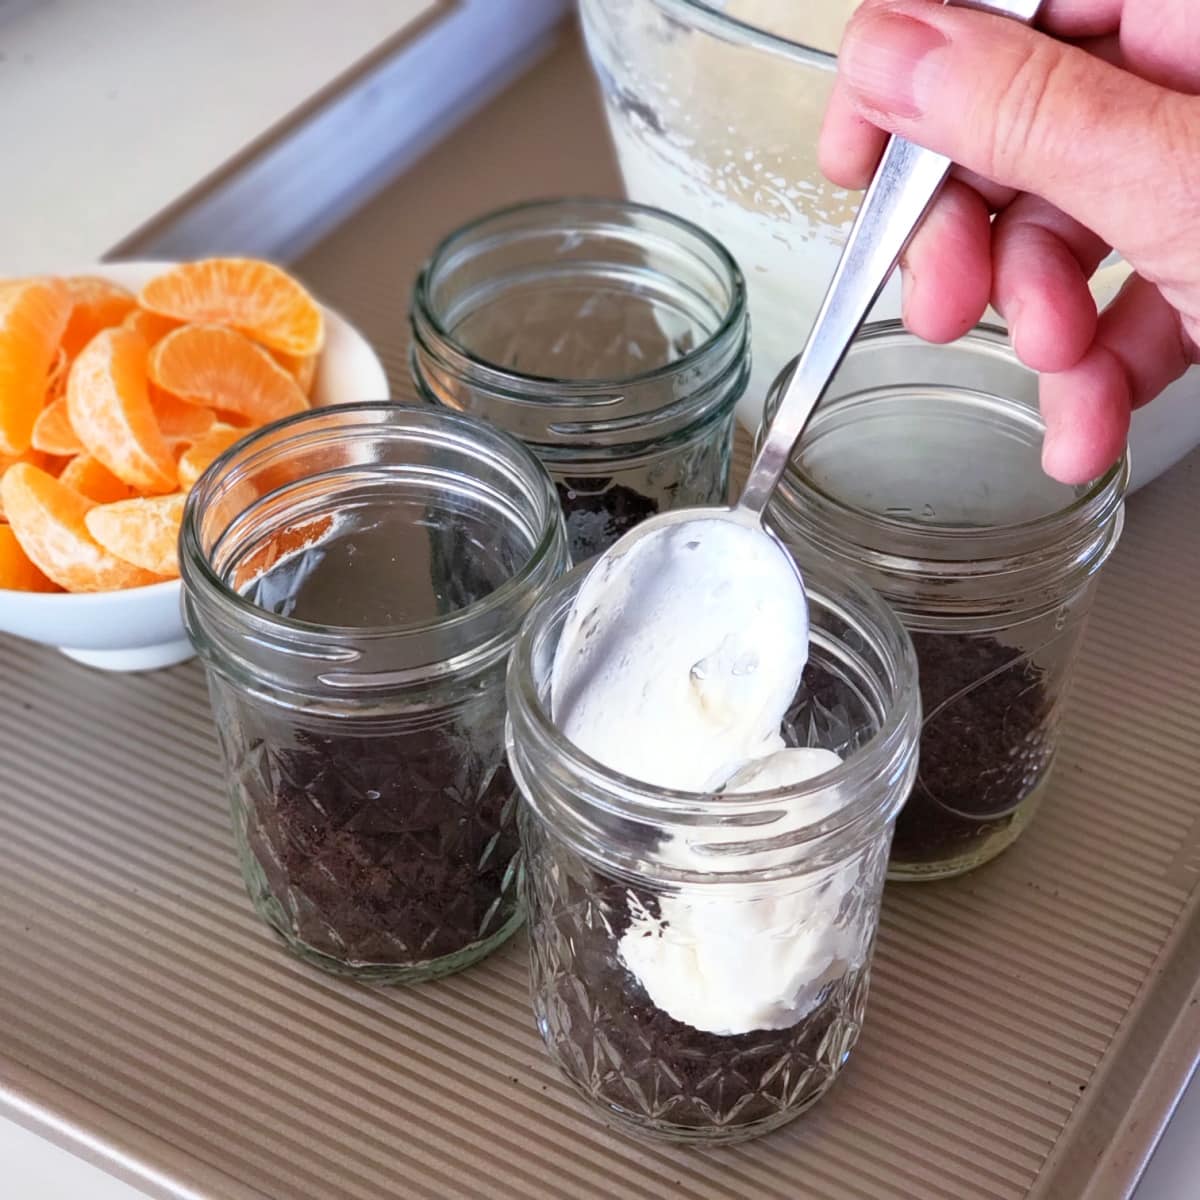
pixel 1030 1026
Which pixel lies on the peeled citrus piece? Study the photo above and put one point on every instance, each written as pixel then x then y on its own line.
pixel 256 298
pixel 179 421
pixel 152 326
pixel 53 432
pixel 94 481
pixel 36 457
pixel 218 368
pixel 98 304
pixel 301 367
pixel 48 519
pixel 16 571
pixel 56 380
pixel 108 401
pixel 33 315
pixel 143 531
pixel 197 458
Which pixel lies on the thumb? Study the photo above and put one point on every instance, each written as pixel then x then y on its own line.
pixel 1028 112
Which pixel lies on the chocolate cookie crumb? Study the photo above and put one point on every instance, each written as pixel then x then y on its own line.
pixel 388 849
pixel 598 512
pixel 983 745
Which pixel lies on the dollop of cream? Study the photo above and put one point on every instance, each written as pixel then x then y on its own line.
pixel 682 653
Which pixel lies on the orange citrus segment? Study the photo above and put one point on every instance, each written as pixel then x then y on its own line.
pixel 151 326
pixel 7 460
pixel 179 421
pixel 302 368
pixel 196 459
pixel 52 431
pixel 143 531
pixel 94 480
pixel 48 520
pixel 256 298
pixel 33 315
pixel 16 571
pixel 98 304
pixel 218 368
pixel 56 380
pixel 108 401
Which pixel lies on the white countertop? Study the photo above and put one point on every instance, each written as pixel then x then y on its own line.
pixel 128 104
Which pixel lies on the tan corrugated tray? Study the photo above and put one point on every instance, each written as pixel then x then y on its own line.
pixel 1029 1030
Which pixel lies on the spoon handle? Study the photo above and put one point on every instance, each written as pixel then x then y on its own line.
pixel 904 188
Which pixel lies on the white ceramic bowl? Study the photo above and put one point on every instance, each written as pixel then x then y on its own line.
pixel 141 629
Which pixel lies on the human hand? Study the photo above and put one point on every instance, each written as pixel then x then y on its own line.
pixel 1078 148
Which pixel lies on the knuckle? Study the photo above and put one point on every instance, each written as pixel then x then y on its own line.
pixel 1023 117
pixel 1175 120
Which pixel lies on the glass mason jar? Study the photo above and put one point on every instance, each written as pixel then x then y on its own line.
pixel 716 1003
pixel 354 578
pixel 611 339
pixel 715 107
pixel 922 470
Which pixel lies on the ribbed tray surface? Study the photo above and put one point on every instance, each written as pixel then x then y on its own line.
pixel 136 975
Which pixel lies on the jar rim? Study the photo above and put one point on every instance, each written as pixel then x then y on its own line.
pixel 620 794
pixel 1099 501
pixel 293 431
pixel 580 391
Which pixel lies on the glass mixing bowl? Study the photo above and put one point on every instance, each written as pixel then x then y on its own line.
pixel 715 109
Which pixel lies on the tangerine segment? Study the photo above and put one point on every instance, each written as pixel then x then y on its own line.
pixel 7 460
pixel 93 480
pixel 33 315
pixel 48 520
pixel 143 531
pixel 179 421
pixel 151 326
pixel 197 458
pixel 99 304
pixel 53 432
pixel 256 298
pixel 108 400
pixel 16 571
pixel 218 368
pixel 56 380
pixel 301 367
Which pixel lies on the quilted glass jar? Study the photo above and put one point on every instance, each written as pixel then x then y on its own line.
pixel 612 339
pixel 354 578
pixel 714 1003
pixel 921 471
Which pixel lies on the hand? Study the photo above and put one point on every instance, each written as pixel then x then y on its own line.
pixel 1076 147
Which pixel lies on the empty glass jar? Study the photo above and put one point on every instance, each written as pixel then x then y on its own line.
pixel 700 963
pixel 353 580
pixel 611 339
pixel 921 470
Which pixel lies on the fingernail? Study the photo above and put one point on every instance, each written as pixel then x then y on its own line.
pixel 886 60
